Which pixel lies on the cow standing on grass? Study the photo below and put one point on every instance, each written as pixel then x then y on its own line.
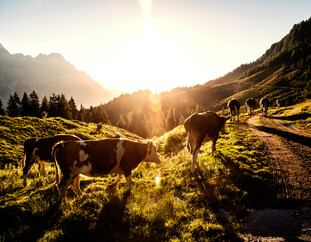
pixel 250 105
pixel 264 104
pixel 97 158
pixel 202 126
pixel 234 109
pixel 39 150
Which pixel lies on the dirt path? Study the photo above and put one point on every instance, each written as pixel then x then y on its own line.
pixel 290 150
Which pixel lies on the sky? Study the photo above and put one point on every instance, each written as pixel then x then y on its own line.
pixel 149 44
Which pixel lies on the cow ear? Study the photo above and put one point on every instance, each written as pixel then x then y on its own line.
pixel 149 145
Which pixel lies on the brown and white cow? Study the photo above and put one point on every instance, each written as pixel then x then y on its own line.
pixel 250 105
pixel 202 126
pixel 39 150
pixel 234 108
pixel 264 104
pixel 96 158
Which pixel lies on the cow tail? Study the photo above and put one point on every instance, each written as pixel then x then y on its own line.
pixel 23 160
pixel 54 154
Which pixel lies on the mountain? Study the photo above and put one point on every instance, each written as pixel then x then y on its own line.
pixel 47 74
pixel 282 72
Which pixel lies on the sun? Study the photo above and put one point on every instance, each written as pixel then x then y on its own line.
pixel 150 60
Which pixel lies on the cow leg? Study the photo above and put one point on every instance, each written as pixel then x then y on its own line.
pixel 214 144
pixel 194 160
pixel 26 169
pixel 75 186
pixel 128 180
pixel 114 183
pixel 41 168
pixel 63 186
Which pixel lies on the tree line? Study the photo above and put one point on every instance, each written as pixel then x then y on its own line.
pixel 55 106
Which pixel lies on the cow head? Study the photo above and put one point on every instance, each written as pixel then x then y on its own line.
pixel 152 155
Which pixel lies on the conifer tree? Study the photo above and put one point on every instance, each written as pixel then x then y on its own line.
pixel 82 114
pixel 2 111
pixel 121 122
pixel 44 105
pixel 53 105
pixel 63 107
pixel 25 109
pixel 34 104
pixel 73 108
pixel 14 106
pixel 171 119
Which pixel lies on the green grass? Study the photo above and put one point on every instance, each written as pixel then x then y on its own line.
pixel 182 207
pixel 14 131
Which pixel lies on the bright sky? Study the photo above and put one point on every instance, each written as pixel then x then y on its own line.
pixel 155 44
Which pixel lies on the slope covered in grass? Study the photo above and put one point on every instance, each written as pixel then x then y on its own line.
pixel 181 206
pixel 14 131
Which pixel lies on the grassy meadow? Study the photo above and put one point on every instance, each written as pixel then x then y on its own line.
pixel 166 202
pixel 208 205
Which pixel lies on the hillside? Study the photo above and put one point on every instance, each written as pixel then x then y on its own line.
pixel 182 207
pixel 47 74
pixel 282 72
pixel 14 131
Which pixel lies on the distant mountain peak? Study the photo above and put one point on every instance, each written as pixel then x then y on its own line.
pixel 3 51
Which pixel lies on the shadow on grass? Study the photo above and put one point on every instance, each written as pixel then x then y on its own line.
pixel 214 205
pixel 306 141
pixel 30 220
pixel 294 117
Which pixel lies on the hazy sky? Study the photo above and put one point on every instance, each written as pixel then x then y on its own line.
pixel 155 44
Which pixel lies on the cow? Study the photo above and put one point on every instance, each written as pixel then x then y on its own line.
pixel 202 126
pixel 264 104
pixel 39 150
pixel 95 158
pixel 234 108
pixel 250 105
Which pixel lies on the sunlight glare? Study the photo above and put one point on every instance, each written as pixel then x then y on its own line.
pixel 157 180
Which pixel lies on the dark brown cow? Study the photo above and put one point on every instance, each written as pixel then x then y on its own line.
pixel 250 105
pixel 200 126
pixel 234 108
pixel 98 158
pixel 39 150
pixel 264 104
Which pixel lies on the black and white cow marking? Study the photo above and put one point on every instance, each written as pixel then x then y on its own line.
pixel 39 150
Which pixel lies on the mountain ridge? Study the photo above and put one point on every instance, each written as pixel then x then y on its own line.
pixel 47 74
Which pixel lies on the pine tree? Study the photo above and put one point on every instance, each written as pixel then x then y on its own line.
pixel 121 122
pixel 34 104
pixel 73 108
pixel 139 124
pixel 2 111
pixel 82 114
pixel 14 106
pixel 63 107
pixel 53 105
pixel 171 119
pixel 25 109
pixel 44 106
